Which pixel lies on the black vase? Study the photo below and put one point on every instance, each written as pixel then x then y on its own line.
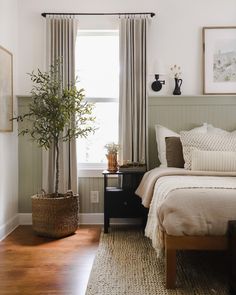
pixel 178 83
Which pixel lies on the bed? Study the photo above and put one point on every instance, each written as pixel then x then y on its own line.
pixel 188 210
pixel 184 113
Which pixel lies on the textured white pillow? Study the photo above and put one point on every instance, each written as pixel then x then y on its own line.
pixel 213 161
pixel 208 142
pixel 163 132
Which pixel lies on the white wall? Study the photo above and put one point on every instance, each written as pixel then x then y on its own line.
pixel 175 33
pixel 9 141
pixel 175 36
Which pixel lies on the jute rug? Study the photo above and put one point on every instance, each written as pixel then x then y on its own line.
pixel 126 264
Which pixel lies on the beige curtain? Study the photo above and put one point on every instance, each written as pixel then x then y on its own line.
pixel 133 92
pixel 61 37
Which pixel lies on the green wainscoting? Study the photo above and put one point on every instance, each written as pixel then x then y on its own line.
pixel 30 164
pixel 175 112
pixel 186 112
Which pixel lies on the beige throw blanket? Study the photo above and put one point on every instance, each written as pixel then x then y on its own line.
pixel 185 202
pixel 146 187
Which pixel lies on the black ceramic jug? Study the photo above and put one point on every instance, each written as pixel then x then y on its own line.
pixel 178 83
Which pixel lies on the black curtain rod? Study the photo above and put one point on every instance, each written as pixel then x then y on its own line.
pixel 44 14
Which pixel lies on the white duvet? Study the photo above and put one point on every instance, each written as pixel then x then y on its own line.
pixel 187 203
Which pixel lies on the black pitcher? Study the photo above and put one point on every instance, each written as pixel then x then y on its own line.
pixel 178 83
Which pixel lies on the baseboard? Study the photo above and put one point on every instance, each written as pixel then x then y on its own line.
pixel 84 218
pixel 8 227
pixel 25 218
pixel 91 218
pixel 98 218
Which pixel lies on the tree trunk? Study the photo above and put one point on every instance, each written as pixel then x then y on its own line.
pixel 57 168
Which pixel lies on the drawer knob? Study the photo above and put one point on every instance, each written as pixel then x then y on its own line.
pixel 125 203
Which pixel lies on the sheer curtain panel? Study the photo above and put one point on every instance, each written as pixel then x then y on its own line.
pixel 60 44
pixel 133 89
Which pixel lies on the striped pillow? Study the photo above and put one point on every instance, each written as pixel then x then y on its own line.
pixel 213 161
pixel 206 142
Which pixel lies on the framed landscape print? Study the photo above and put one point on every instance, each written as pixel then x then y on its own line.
pixel 6 90
pixel 219 60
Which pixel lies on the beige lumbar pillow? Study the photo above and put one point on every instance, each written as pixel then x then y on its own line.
pixel 213 160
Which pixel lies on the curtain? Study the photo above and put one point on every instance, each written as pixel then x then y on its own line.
pixel 60 44
pixel 133 92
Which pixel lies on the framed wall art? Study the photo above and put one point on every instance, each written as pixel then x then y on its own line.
pixel 6 90
pixel 219 60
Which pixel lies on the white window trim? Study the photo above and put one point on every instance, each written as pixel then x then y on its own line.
pixel 99 32
pixel 95 169
pixel 90 172
pixel 101 99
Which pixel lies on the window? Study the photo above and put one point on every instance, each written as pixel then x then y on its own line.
pixel 97 69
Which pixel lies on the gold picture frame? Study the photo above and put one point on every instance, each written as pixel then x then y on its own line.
pixel 219 60
pixel 6 90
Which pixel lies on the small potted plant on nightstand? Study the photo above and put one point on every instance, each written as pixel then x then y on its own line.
pixel 112 150
pixel 55 114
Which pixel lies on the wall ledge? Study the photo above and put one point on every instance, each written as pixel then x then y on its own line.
pixel 194 100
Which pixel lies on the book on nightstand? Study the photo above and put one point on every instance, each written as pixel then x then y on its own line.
pixel 133 167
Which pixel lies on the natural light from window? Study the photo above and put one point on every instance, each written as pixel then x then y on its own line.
pixel 97 69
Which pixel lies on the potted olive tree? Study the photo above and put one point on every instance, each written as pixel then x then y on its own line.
pixel 55 114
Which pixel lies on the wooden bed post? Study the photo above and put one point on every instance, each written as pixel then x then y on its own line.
pixel 174 243
pixel 170 257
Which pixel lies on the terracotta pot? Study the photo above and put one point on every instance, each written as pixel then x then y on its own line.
pixel 112 162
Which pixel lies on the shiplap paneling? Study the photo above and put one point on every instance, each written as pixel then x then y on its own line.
pixel 85 186
pixel 93 184
pixel 175 112
pixel 186 112
pixel 30 163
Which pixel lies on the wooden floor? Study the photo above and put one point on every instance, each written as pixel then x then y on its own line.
pixel 35 265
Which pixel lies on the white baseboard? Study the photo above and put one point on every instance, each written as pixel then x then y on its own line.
pixel 8 227
pixel 84 218
pixel 98 218
pixel 25 218
pixel 91 218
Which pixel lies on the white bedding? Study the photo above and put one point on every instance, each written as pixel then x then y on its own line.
pixel 188 203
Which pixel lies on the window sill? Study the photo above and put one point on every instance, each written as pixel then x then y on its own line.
pixel 90 172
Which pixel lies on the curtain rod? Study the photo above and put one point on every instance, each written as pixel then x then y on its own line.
pixel 44 14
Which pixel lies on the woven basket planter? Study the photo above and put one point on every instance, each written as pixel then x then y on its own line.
pixel 54 217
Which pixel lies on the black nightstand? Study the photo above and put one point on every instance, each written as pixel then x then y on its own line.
pixel 120 201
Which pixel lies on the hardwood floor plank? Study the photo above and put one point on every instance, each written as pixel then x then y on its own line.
pixel 30 264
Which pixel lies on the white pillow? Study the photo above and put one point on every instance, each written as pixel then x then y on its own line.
pixel 213 161
pixel 163 132
pixel 213 130
pixel 208 142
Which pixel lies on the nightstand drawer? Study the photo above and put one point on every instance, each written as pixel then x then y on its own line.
pixel 123 204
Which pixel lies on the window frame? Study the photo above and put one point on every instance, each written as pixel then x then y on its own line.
pixel 95 169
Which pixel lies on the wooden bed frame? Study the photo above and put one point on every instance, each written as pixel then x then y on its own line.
pixel 174 243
